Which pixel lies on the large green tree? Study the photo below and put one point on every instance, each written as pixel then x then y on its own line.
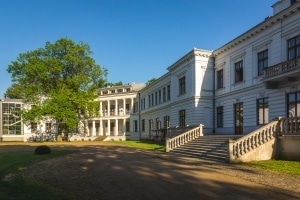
pixel 60 80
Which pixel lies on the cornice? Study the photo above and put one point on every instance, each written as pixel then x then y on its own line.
pixel 193 53
pixel 267 23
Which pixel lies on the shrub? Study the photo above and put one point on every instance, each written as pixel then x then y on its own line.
pixel 43 149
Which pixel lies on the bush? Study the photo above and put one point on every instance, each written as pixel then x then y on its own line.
pixel 43 149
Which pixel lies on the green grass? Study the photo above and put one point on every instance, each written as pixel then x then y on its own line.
pixel 14 186
pixel 149 145
pixel 281 166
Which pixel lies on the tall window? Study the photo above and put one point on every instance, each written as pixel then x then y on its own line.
pixel 33 127
pixel 262 61
pixel 168 92
pixel 164 94
pixel 293 104
pixel 127 124
pixel 159 96
pixel 294 47
pixel 220 116
pixel 135 126
pixel 181 117
pixel 262 111
pixel 150 128
pixel 156 98
pixel 158 124
pixel 149 101
pixel 220 79
pixel 48 128
pixel 182 85
pixel 293 1
pixel 143 125
pixel 238 67
pixel 166 121
pixel 152 99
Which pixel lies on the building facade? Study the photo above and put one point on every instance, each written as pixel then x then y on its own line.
pixel 234 89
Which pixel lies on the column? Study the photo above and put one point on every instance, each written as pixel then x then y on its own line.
pixel 101 109
pixel 101 128
pixel 108 108
pixel 116 107
pixel 87 131
pixel 124 106
pixel 124 126
pixel 116 127
pixel 131 108
pixel 108 127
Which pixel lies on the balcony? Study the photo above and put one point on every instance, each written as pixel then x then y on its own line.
pixel 287 71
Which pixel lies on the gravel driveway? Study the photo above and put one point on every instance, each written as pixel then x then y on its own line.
pixel 108 171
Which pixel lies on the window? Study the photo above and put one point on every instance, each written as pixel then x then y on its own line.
pixel 263 111
pixel 293 104
pixel 120 90
pixel 293 1
pixel 135 126
pixel 159 96
pixel 181 117
pixel 127 124
pixel 112 91
pixel 294 47
pixel 182 85
pixel 48 128
pixel 155 98
pixel 220 116
pixel 143 125
pixel 152 99
pixel 149 101
pixel 262 59
pixel 150 128
pixel 164 94
pixel 158 124
pixel 238 71
pixel 166 121
pixel 220 79
pixel 168 92
pixel 33 127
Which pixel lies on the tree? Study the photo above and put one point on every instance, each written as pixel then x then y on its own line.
pixel 60 80
pixel 150 81
pixel 120 83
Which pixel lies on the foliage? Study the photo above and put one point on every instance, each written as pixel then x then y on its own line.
pixel 288 167
pixel 14 92
pixel 42 150
pixel 60 80
pixel 149 145
pixel 150 81
pixel 120 83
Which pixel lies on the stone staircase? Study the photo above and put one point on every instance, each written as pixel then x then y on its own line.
pixel 209 147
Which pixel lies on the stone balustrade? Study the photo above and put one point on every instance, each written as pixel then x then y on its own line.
pixel 172 143
pixel 281 68
pixel 289 126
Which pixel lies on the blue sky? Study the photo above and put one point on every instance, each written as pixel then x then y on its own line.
pixel 136 40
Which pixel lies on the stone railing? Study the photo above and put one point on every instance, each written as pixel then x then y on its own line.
pixel 172 143
pixel 282 68
pixel 289 126
pixel 252 140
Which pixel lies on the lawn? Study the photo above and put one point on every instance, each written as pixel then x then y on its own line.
pixel 14 186
pixel 281 166
pixel 148 145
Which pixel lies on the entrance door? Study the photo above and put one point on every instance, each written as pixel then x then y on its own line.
pixel 238 110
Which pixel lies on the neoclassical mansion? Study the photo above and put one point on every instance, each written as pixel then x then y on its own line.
pixel 235 89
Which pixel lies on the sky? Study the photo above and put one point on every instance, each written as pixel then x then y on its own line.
pixel 136 40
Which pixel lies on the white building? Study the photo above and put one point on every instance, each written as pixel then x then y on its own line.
pixel 235 89
pixel 118 113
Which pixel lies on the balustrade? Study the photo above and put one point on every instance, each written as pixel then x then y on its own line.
pixel 172 143
pixel 282 68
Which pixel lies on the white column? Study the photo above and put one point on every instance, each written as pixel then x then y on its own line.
pixel 124 106
pixel 94 129
pixel 116 127
pixel 101 128
pixel 108 108
pixel 116 107
pixel 131 105
pixel 87 128
pixel 108 127
pixel 124 126
pixel 101 109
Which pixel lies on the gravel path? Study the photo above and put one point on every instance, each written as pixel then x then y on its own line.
pixel 108 171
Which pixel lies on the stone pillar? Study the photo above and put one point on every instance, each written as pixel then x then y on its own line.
pixel 101 128
pixel 101 109
pixel 116 107
pixel 108 108
pixel 108 127
pixel 131 108
pixel 124 106
pixel 124 126
pixel 87 130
